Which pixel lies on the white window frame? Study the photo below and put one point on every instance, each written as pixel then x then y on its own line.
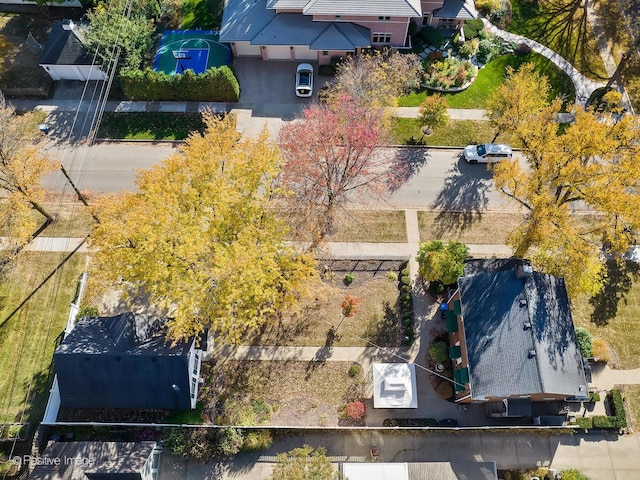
pixel 381 38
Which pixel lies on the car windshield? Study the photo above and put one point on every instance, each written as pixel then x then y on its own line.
pixel 481 150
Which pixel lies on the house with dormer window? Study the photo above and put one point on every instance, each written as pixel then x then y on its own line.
pixel 322 29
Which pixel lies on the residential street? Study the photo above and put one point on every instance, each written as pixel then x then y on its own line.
pixel 602 457
pixel 441 179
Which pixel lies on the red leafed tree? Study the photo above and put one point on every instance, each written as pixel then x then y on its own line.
pixel 333 157
pixel 350 305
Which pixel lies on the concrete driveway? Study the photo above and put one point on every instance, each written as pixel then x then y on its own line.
pixel 267 88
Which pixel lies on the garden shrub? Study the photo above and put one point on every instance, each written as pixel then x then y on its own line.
pixel 198 443
pixel 257 440
pixel 600 351
pixel 405 280
pixel 594 397
pixel 355 371
pixel 573 474
pixel 468 48
pixel 522 49
pixel 229 441
pixel 356 410
pixel 615 397
pixel 392 276
pixel 476 23
pixel 216 84
pixel 404 272
pixel 469 32
pixel 431 36
pixel 413 28
pixel 438 352
pixel 584 341
pixel 445 389
pixel 487 6
pixel 88 311
pixel 449 73
pixel 601 421
pixel 486 50
pixel 584 422
pixel 405 288
pixel 348 278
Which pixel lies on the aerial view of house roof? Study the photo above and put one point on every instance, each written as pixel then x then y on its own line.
pixel 398 8
pixel 64 46
pixel 520 335
pixel 93 460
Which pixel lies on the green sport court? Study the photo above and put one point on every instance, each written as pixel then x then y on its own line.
pixel 196 50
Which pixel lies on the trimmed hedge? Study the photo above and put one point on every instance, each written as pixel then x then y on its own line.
pixel 618 419
pixel 584 422
pixel 214 85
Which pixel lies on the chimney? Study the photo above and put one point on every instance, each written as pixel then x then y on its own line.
pixel 67 25
pixel 524 271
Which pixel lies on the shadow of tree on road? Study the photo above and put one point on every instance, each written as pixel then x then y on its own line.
pixel 462 199
pixel 407 162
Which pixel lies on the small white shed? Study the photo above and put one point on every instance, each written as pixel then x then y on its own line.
pixel 394 385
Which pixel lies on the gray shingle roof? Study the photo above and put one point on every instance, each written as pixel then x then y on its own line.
pixel 396 8
pixel 495 308
pixel 243 19
pixel 64 47
pixel 121 460
pixel 458 9
pixel 342 36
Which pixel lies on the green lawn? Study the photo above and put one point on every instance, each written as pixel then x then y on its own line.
pixel 149 125
pixel 490 78
pixel 406 131
pixel 561 26
pixel 28 330
pixel 616 318
pixel 201 14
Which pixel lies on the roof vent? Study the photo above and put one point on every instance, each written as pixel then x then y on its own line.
pixel 532 353
pixel 68 25
pixel 524 271
pixel 526 326
pixel 523 302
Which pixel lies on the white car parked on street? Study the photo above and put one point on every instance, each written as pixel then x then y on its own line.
pixel 487 153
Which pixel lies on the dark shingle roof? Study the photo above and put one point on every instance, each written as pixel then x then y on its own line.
pixel 457 9
pixel 64 47
pixel 122 362
pixel 95 460
pixel 507 358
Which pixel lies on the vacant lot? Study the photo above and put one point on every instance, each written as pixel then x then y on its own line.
pixel 32 316
pixel 281 393
pixel 320 321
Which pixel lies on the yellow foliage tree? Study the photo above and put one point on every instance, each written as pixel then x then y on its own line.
pixel 199 237
pixel 593 163
pixel 21 169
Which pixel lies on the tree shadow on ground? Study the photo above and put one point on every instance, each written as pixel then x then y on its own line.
pixel 619 281
pixel 563 24
pixel 462 199
pixel 386 331
pixel 407 162
pixel 323 353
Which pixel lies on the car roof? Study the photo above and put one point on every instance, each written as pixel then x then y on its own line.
pixel 497 148
pixel 304 66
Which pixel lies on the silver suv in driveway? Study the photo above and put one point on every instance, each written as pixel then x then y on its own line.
pixel 487 153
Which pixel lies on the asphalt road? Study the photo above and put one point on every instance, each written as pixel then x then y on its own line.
pixel 437 178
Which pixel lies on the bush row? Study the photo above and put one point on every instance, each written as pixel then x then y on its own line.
pixel 202 443
pixel 406 306
pixel 618 419
pixel 409 422
pixel 214 85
